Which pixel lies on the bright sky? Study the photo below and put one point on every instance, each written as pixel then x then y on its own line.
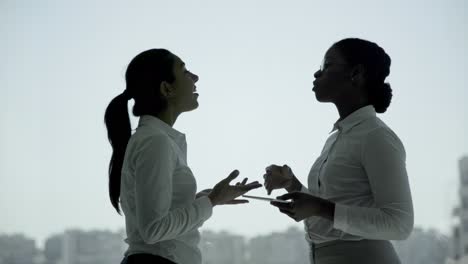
pixel 63 61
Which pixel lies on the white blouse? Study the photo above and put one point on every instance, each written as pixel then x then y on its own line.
pixel 157 195
pixel 362 169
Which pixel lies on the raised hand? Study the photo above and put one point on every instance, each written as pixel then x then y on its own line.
pixel 277 177
pixel 224 193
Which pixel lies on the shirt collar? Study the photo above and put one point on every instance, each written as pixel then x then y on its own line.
pixel 354 119
pixel 156 123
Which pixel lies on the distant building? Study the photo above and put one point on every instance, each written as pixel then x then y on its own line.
pixel 459 243
pixel 423 247
pixel 288 247
pixel 80 247
pixel 18 249
pixel 223 248
pixel 53 249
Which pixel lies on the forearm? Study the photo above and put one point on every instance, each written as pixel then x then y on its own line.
pixel 375 223
pixel 175 223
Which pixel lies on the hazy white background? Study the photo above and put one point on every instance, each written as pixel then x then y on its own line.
pixel 61 62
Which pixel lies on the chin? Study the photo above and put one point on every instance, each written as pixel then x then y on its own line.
pixel 323 99
pixel 192 107
pixel 318 97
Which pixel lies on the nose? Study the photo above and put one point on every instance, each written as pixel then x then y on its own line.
pixel 317 74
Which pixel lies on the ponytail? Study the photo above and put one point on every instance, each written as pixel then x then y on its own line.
pixel 144 75
pixel 119 131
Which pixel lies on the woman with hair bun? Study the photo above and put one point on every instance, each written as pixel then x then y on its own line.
pixel 358 195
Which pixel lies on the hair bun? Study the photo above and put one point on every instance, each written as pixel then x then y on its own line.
pixel 381 98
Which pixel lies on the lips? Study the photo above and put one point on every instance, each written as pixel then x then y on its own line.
pixel 315 85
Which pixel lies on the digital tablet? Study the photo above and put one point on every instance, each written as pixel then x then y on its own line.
pixel 265 199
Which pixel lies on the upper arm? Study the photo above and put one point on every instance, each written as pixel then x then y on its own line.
pixel 155 163
pixel 384 160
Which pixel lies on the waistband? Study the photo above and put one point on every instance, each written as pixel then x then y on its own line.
pixel 332 242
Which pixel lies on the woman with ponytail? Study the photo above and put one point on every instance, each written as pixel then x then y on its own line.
pixel 149 178
pixel 358 195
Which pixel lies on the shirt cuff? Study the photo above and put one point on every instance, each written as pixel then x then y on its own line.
pixel 205 206
pixel 341 217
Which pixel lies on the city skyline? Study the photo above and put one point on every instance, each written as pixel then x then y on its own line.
pixel 63 61
pixel 105 247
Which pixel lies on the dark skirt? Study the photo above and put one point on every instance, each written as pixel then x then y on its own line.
pixel 356 252
pixel 145 259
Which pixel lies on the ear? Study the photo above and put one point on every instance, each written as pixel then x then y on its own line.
pixel 358 74
pixel 166 89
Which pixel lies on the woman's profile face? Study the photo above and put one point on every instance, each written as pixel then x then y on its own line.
pixel 333 77
pixel 186 98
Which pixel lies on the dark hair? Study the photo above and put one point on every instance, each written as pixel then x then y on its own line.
pixel 377 65
pixel 143 78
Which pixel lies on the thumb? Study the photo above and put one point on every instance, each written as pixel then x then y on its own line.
pixel 292 195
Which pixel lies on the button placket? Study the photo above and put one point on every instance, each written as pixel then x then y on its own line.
pixel 326 159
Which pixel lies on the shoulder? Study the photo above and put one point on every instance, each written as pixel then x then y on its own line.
pixel 379 134
pixel 150 140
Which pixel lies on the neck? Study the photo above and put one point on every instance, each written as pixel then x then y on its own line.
pixel 345 109
pixel 169 116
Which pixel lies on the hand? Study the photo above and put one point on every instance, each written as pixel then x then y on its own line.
pixel 203 193
pixel 206 192
pixel 305 205
pixel 277 177
pixel 223 193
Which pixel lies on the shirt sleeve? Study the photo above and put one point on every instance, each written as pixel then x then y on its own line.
pixel 156 221
pixel 383 158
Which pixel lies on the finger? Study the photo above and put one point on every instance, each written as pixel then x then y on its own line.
pixel 231 176
pixel 271 168
pixel 252 183
pixel 285 170
pixel 283 206
pixel 244 181
pixel 246 188
pixel 238 201
pixel 267 187
pixel 274 168
pixel 237 184
pixel 291 195
pixel 288 214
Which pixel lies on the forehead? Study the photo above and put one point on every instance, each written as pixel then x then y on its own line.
pixel 178 62
pixel 332 54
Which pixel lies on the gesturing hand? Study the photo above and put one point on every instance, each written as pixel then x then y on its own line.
pixel 206 192
pixel 277 177
pixel 224 193
pixel 304 205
